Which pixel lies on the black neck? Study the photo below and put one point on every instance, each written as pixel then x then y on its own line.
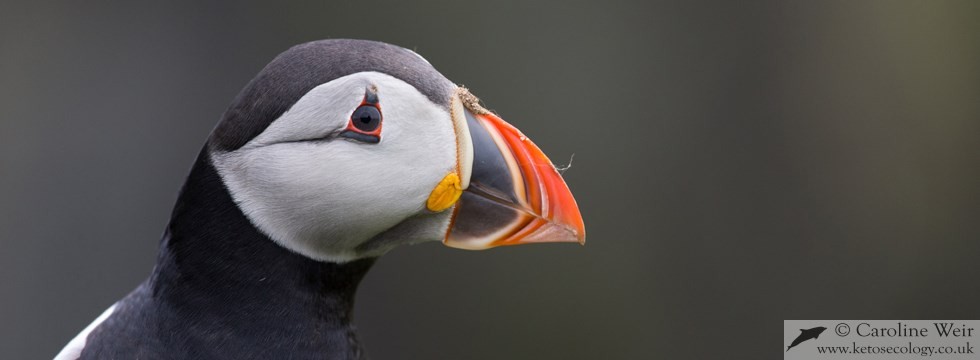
pixel 216 267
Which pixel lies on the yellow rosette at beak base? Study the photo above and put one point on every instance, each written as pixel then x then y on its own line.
pixel 445 194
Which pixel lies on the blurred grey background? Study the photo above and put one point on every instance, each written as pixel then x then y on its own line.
pixel 737 164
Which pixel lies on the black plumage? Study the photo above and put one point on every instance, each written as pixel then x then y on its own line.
pixel 222 289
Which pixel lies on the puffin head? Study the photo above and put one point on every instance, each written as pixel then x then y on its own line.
pixel 343 149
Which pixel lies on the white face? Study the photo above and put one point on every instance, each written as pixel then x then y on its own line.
pixel 337 199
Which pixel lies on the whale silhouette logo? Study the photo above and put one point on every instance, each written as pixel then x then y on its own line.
pixel 806 334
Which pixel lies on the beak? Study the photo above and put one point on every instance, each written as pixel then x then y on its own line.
pixel 512 193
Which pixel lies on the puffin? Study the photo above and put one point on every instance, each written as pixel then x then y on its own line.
pixel 336 152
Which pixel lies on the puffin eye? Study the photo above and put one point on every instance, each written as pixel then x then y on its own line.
pixel 366 118
pixel 365 122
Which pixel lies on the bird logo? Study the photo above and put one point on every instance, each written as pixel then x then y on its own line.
pixel 806 334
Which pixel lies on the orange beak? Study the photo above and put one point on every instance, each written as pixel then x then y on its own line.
pixel 514 194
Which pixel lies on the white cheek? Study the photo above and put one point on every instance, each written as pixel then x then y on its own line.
pixel 324 198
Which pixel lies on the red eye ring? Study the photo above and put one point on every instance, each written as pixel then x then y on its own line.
pixel 366 120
